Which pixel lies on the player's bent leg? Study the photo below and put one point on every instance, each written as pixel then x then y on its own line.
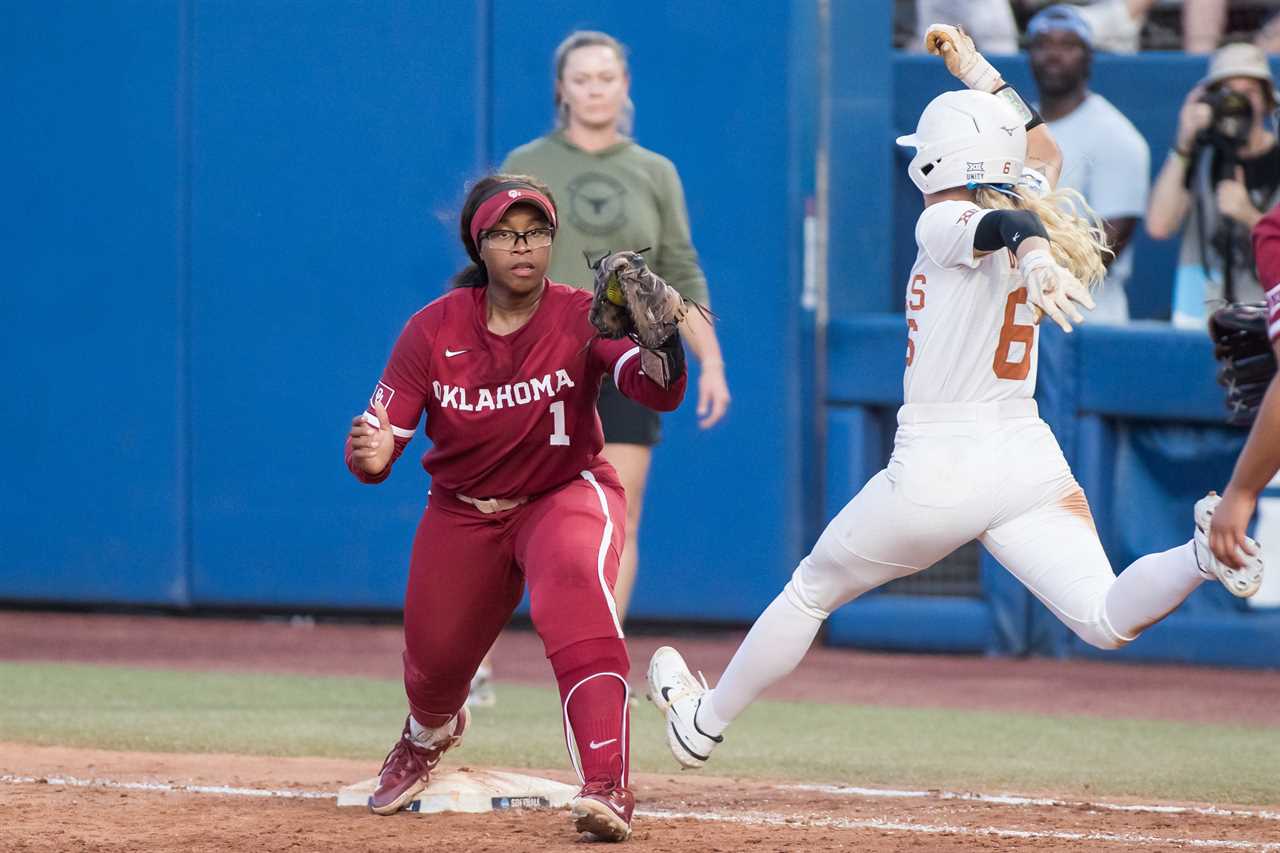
pixel 568 546
pixel 592 676
pixel 1055 552
pixel 462 589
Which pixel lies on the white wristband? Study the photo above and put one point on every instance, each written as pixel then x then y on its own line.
pixel 982 75
pixel 1036 259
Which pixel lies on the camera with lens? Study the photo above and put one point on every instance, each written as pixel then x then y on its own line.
pixel 1228 129
pixel 1231 120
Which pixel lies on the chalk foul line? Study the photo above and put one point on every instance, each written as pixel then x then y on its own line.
pixel 1016 800
pixel 756 818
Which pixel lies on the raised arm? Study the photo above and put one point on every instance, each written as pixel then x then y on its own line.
pixel 1170 199
pixel 970 67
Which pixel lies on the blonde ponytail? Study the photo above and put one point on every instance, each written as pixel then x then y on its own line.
pixel 1076 234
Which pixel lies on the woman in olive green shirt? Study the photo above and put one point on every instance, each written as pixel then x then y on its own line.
pixel 614 194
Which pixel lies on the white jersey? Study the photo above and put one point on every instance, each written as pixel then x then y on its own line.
pixel 971 334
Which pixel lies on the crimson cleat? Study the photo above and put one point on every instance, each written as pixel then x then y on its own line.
pixel 407 767
pixel 604 809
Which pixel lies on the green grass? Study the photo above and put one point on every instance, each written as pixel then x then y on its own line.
pixel 162 711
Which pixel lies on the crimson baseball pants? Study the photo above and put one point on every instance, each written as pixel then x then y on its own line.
pixel 466 577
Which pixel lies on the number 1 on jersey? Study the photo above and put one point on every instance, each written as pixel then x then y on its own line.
pixel 559 438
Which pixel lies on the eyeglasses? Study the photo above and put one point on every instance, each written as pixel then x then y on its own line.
pixel 534 238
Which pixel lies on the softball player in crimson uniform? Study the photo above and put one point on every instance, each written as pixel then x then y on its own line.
pixel 971 459
pixel 1260 458
pixel 507 368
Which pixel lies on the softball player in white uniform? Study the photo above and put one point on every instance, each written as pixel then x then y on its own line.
pixel 971 458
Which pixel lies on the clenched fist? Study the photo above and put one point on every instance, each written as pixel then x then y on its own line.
pixel 962 58
pixel 371 446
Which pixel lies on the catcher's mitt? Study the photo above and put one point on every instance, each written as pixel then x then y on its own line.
pixel 1246 361
pixel 632 301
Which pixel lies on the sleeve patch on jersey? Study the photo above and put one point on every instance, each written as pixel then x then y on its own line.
pixel 382 394
pixel 966 216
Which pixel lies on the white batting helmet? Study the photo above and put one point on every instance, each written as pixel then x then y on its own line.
pixel 966 137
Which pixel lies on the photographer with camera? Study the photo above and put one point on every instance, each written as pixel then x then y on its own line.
pixel 1221 175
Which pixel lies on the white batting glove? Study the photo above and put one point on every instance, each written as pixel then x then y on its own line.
pixel 963 59
pixel 1052 289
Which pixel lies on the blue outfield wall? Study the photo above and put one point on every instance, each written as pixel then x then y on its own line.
pixel 229 212
pixel 322 195
pixel 94 502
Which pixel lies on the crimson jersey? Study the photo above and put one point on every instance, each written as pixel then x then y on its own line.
pixel 508 415
pixel 1266 251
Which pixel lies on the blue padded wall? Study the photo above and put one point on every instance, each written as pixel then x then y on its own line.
pixel 330 149
pixel 94 504
pixel 230 211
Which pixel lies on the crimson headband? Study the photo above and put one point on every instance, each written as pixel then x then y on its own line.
pixel 495 207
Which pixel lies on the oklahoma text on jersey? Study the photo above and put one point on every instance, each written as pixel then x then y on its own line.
pixel 504 396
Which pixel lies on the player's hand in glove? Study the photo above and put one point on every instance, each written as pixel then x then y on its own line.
pixel 962 58
pixel 1052 289
pixel 632 301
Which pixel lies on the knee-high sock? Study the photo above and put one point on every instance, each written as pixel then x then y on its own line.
pixel 1150 589
pixel 775 645
pixel 592 676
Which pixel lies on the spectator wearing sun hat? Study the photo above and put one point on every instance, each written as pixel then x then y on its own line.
pixel 1215 189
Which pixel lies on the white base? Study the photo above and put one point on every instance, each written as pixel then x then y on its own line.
pixel 473 791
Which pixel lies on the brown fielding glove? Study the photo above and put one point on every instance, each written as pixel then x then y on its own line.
pixel 631 301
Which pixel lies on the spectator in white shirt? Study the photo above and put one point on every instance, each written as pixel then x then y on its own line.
pixel 1104 157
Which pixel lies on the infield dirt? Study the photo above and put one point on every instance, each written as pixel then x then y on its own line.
pixel 731 814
